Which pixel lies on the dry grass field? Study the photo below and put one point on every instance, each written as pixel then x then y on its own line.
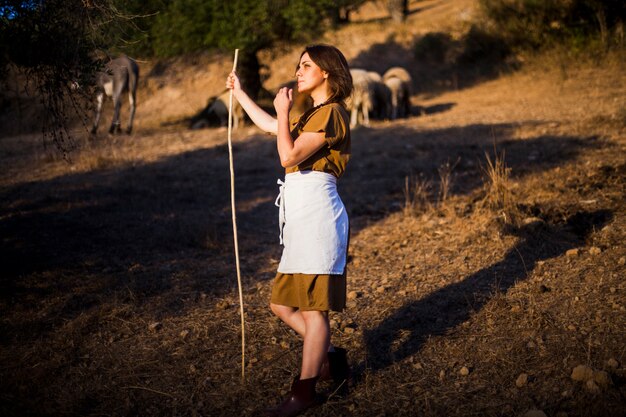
pixel 487 263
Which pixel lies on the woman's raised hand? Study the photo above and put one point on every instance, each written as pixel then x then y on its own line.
pixel 232 82
pixel 283 100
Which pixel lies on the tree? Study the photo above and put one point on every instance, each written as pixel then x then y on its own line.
pixel 55 42
pixel 52 43
pixel 193 25
pixel 535 24
pixel 398 10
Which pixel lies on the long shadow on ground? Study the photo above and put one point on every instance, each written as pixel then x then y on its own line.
pixel 149 233
pixel 151 241
pixel 443 310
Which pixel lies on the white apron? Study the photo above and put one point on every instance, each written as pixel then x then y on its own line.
pixel 313 224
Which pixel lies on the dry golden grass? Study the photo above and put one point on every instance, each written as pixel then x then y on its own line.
pixel 119 293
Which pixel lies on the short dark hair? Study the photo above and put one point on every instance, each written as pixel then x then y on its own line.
pixel 331 60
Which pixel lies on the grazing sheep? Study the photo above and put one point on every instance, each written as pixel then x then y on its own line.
pixel 216 113
pixel 374 76
pixel 120 75
pixel 382 96
pixel 399 82
pixel 361 100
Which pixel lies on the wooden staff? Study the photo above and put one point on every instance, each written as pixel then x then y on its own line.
pixel 232 203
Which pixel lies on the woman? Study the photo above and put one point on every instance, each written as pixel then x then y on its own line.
pixel 314 148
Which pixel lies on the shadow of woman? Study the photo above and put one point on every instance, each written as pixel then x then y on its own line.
pixel 443 310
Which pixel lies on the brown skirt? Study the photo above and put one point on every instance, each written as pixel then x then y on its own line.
pixel 310 292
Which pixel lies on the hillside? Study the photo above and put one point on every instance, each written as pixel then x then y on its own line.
pixel 496 295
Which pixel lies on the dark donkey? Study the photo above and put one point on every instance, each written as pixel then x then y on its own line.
pixel 120 75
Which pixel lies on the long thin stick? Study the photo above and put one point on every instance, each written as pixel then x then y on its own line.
pixel 232 203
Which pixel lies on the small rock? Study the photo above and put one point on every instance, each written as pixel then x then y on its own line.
pixel 418 366
pixel 349 330
pixel 533 222
pixel 515 309
pixel 353 295
pixel 521 380
pixel 442 375
pixel 222 305
pixel 183 334
pixel 612 290
pixel 284 344
pixel 571 252
pixel 464 371
pixel 380 289
pixel 594 250
pixel 613 363
pixel 622 261
pixel 535 413
pixel 582 373
pixel 602 378
pixel 153 327
pixel 592 387
pixel 333 324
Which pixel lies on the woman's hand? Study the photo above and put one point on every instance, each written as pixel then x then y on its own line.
pixel 232 82
pixel 283 101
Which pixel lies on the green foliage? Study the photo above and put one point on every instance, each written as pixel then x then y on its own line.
pixel 480 46
pixel 130 32
pixel 432 47
pixel 181 27
pixel 34 34
pixel 476 48
pixel 242 24
pixel 539 23
pixel 52 44
pixel 173 27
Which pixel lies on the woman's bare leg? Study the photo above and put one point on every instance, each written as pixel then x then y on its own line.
pixel 291 316
pixel 316 342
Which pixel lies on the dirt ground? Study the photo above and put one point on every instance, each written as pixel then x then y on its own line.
pixel 119 291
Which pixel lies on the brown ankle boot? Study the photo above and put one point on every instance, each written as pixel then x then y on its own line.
pixel 301 398
pixel 336 366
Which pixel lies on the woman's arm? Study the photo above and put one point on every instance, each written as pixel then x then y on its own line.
pixel 292 153
pixel 259 116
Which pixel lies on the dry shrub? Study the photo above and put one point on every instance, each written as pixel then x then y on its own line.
pixel 498 196
pixel 445 180
pixel 416 195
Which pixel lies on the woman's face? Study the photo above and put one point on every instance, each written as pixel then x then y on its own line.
pixel 310 77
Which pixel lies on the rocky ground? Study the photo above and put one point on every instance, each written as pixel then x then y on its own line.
pixel 486 272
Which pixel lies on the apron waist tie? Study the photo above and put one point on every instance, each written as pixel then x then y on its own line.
pixel 280 203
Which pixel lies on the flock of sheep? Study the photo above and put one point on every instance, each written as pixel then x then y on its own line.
pixel 385 97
